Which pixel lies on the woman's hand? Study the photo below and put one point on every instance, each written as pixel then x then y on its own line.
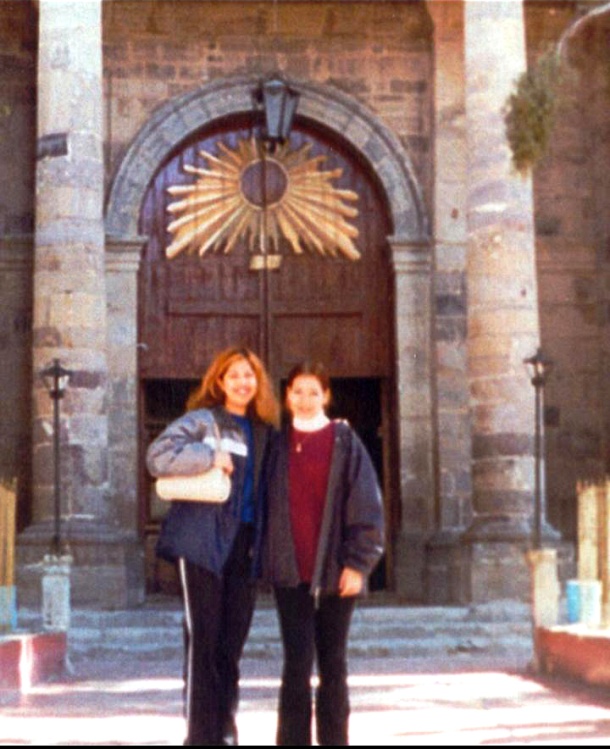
pixel 350 582
pixel 225 461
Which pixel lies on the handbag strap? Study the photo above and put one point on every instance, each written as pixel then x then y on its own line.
pixel 217 435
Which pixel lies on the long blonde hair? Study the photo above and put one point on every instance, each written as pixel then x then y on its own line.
pixel 210 392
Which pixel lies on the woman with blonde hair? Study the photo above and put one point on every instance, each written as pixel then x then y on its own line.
pixel 215 545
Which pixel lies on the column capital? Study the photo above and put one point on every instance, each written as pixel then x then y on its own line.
pixel 410 256
pixel 124 254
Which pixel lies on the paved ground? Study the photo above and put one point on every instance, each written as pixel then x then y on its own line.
pixel 464 699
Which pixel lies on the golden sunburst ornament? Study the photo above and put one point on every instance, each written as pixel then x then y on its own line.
pixel 247 194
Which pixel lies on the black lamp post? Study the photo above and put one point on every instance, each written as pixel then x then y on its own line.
pixel 275 103
pixel 56 380
pixel 539 369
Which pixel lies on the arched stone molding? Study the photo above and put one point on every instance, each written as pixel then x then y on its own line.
pixel 410 257
pixel 175 121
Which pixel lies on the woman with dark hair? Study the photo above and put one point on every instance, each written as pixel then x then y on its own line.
pixel 324 536
pixel 214 544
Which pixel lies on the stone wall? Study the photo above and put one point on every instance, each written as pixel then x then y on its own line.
pixel 378 53
pixel 572 188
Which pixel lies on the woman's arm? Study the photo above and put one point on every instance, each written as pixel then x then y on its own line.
pixel 363 533
pixel 185 447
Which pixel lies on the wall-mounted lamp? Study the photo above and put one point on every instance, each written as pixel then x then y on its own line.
pixel 278 103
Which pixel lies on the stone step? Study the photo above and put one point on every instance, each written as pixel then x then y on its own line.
pixel 377 631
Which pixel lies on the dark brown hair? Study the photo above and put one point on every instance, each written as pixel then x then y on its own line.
pixel 310 369
pixel 210 392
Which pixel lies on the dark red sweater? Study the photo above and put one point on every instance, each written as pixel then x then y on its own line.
pixel 308 471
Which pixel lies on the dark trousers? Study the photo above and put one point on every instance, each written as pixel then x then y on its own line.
pixel 313 634
pixel 218 614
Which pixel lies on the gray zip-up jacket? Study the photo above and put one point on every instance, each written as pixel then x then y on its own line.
pixel 352 532
pixel 204 533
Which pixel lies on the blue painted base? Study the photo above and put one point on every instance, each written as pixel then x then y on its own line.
pixel 8 608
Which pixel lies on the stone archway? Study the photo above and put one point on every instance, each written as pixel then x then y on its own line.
pixel 175 121
pixel 411 263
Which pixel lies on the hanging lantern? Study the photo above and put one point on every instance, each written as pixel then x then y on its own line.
pixel 279 103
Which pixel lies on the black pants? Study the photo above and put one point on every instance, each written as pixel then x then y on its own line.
pixel 310 633
pixel 218 614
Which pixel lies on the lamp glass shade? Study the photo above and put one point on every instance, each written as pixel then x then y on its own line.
pixel 56 378
pixel 280 104
pixel 538 366
pixel 62 382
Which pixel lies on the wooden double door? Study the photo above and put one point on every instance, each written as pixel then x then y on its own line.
pixel 286 288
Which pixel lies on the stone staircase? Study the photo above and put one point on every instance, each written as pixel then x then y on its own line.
pixel 498 630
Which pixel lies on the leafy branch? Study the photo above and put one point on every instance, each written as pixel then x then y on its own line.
pixel 530 111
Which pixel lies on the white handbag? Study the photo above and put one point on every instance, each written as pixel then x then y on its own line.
pixel 213 485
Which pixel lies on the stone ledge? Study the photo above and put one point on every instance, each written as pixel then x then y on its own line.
pixel 31 658
pixel 575 650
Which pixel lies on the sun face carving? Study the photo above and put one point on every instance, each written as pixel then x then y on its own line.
pixel 227 203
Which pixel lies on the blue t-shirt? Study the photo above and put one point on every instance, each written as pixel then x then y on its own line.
pixel 247 508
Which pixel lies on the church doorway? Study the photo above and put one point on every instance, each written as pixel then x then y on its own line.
pixel 322 289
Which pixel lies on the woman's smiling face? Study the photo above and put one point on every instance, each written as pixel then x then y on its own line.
pixel 306 398
pixel 239 384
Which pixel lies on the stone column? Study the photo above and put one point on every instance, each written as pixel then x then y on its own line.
pixel 503 323
pixel 412 269
pixel 70 320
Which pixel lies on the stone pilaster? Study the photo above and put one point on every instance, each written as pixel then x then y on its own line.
pixel 412 269
pixel 122 264
pixel 503 324
pixel 446 576
pixel 70 320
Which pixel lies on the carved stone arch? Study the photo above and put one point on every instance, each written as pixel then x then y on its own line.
pixel 179 118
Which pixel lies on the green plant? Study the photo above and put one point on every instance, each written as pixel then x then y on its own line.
pixel 529 114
